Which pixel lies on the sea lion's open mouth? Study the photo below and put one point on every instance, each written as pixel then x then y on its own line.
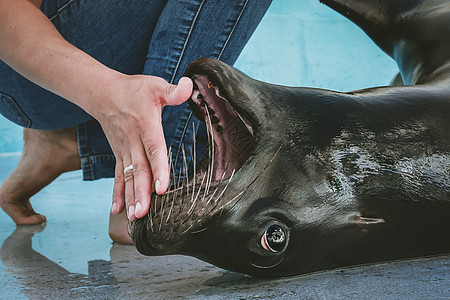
pixel 230 137
pixel 197 195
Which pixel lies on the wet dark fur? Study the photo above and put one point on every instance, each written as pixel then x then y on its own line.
pixel 350 178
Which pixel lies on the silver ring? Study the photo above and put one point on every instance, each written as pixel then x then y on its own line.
pixel 129 168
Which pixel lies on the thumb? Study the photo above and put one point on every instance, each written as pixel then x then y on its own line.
pixel 177 94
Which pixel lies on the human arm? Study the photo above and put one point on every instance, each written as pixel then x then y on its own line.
pixel 127 107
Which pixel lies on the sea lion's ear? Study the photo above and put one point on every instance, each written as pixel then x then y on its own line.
pixel 363 220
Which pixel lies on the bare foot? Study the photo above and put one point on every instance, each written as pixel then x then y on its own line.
pixel 118 229
pixel 46 154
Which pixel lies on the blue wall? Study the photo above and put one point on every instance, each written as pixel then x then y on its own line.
pixel 299 43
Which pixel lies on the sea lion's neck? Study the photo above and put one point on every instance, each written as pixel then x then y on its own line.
pixel 410 119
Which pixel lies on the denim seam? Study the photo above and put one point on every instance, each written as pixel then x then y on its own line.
pixel 232 30
pixel 60 10
pixel 179 148
pixel 21 114
pixel 101 157
pixel 183 50
pixel 83 150
pixel 186 41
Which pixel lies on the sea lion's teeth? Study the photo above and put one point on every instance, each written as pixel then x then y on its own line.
pixel 195 86
pixel 214 120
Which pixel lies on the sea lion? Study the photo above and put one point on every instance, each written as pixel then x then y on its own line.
pixel 302 179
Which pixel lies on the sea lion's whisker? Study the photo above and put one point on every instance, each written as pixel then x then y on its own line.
pixel 165 196
pixel 196 197
pixel 216 201
pixel 150 220
pixel 217 188
pixel 194 161
pixel 208 182
pixel 185 170
pixel 177 186
pixel 187 229
pixel 174 185
pixel 180 181
pixel 171 206
pixel 156 203
pixel 200 230
pixel 235 197
pixel 174 196
pixel 207 203
pixel 226 186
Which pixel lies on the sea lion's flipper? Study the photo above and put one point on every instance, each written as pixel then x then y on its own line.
pixel 415 33
pixel 375 17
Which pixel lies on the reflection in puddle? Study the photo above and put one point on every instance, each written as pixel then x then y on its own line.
pixel 127 274
pixel 43 278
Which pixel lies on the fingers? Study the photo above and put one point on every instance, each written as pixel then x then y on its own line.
pixel 154 142
pixel 156 153
pixel 118 189
pixel 144 149
pixel 141 177
pixel 132 185
pixel 177 94
pixel 129 190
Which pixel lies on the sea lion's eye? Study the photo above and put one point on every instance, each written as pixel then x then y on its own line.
pixel 274 239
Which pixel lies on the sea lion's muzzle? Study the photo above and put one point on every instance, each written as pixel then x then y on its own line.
pixel 196 199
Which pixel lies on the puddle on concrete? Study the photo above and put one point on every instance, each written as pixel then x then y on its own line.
pixel 26 273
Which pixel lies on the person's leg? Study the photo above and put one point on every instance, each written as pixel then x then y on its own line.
pixel 187 30
pixel 113 32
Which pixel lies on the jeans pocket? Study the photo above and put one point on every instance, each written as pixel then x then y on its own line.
pixel 11 110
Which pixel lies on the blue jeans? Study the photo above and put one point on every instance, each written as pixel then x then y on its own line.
pixel 159 37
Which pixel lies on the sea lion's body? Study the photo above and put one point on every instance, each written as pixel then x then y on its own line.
pixel 321 179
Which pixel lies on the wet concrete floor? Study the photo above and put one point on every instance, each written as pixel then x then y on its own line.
pixel 72 257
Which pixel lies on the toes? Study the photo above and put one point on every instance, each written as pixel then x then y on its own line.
pixel 30 220
pixel 22 213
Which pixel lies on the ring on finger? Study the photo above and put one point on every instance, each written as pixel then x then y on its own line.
pixel 129 168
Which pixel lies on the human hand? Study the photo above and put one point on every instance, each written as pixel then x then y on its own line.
pixel 131 120
pixel 127 107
